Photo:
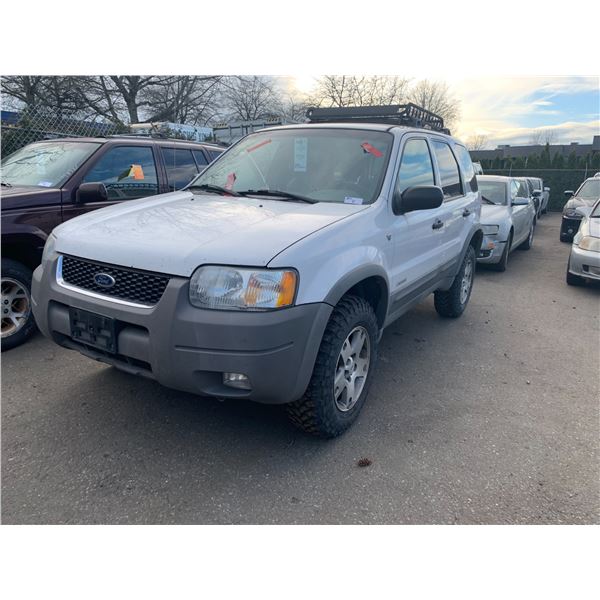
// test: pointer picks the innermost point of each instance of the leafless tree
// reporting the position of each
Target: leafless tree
(436, 97)
(477, 142)
(249, 98)
(352, 90)
(539, 137)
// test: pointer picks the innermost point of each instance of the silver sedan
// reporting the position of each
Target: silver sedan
(508, 218)
(584, 260)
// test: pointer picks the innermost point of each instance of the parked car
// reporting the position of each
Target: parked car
(49, 182)
(544, 195)
(534, 194)
(586, 195)
(272, 276)
(584, 260)
(508, 218)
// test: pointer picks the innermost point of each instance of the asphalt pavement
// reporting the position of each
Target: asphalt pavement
(491, 418)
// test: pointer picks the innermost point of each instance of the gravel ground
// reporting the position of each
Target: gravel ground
(492, 418)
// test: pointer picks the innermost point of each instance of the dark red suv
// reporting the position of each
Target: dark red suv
(48, 182)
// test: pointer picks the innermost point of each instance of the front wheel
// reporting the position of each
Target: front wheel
(18, 323)
(573, 279)
(343, 371)
(526, 245)
(452, 303)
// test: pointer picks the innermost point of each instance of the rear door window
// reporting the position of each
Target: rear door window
(449, 176)
(181, 167)
(127, 172)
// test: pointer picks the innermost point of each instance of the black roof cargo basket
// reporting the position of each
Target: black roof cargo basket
(409, 115)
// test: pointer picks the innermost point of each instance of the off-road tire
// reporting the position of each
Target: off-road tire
(15, 270)
(448, 303)
(316, 412)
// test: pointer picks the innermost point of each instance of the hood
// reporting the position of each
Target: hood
(493, 215)
(575, 201)
(591, 227)
(25, 196)
(175, 233)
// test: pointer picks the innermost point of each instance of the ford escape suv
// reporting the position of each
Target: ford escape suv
(273, 274)
(49, 182)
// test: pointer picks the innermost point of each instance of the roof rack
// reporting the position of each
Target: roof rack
(409, 115)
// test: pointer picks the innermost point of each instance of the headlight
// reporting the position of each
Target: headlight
(590, 243)
(490, 229)
(49, 247)
(230, 288)
(572, 212)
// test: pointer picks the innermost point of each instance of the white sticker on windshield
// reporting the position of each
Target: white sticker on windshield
(300, 154)
(45, 183)
(353, 200)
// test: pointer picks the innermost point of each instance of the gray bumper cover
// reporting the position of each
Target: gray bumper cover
(188, 348)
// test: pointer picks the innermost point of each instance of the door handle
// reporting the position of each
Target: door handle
(437, 224)
(466, 212)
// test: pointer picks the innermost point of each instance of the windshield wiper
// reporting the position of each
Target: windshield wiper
(216, 189)
(486, 200)
(6, 184)
(280, 194)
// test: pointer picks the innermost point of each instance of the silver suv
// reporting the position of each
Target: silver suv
(272, 276)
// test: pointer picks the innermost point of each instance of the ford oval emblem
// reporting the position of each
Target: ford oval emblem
(104, 280)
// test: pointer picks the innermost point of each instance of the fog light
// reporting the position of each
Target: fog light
(237, 380)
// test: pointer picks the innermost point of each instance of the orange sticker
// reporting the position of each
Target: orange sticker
(136, 172)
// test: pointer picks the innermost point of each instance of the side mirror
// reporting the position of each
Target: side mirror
(420, 197)
(520, 201)
(568, 193)
(91, 192)
(537, 193)
(546, 189)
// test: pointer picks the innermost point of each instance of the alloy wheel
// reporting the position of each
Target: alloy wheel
(352, 368)
(16, 306)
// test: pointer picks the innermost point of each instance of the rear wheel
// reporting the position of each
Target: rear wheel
(452, 303)
(18, 323)
(343, 371)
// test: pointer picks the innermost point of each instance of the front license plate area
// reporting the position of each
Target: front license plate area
(93, 329)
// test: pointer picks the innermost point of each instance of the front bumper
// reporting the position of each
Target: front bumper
(189, 349)
(584, 263)
(491, 250)
(569, 227)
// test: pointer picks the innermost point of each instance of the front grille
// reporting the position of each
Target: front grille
(140, 287)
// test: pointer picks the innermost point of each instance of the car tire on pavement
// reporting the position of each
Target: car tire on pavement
(342, 373)
(573, 279)
(501, 266)
(18, 323)
(452, 303)
(526, 245)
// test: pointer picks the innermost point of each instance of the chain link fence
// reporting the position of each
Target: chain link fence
(20, 129)
(558, 180)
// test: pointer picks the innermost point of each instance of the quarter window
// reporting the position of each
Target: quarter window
(200, 158)
(127, 172)
(180, 165)
(464, 159)
(450, 179)
(416, 167)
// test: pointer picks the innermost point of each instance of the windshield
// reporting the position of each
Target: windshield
(590, 190)
(45, 164)
(494, 191)
(322, 164)
(596, 211)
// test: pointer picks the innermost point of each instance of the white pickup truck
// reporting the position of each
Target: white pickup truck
(272, 276)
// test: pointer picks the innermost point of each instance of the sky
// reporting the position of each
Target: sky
(507, 109)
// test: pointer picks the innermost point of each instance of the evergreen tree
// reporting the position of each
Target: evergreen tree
(572, 160)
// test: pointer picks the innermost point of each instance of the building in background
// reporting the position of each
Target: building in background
(507, 151)
(229, 133)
